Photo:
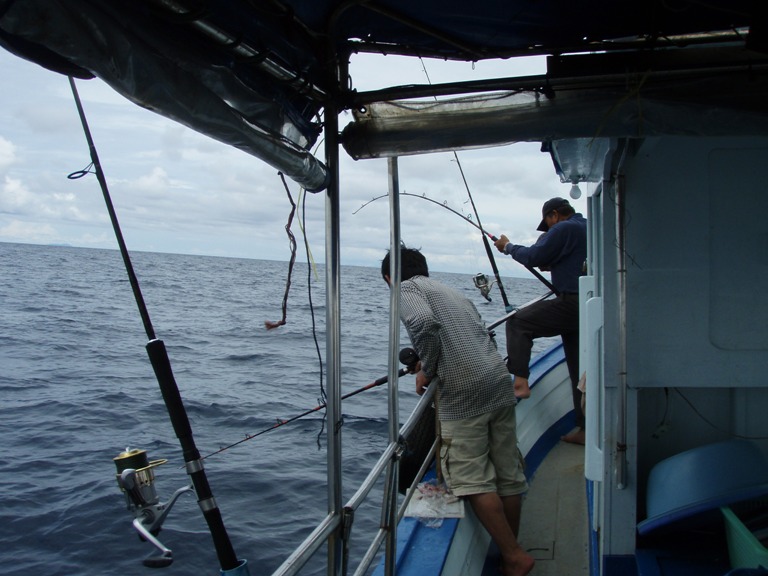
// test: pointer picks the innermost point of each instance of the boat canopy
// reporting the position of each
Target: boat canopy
(260, 75)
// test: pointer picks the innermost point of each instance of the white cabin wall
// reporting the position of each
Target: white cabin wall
(697, 279)
(697, 344)
(697, 245)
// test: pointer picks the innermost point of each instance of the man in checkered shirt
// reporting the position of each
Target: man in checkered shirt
(475, 402)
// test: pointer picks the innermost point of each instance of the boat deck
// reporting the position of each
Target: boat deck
(554, 525)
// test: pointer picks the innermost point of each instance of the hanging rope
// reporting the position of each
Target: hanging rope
(269, 325)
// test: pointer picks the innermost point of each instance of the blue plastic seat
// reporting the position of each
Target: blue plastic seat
(703, 479)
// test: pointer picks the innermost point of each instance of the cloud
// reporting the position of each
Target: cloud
(7, 154)
(27, 232)
(17, 200)
(14, 197)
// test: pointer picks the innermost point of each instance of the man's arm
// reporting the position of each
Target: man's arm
(422, 327)
(546, 249)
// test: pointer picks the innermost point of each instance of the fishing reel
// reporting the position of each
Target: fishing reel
(409, 357)
(481, 283)
(136, 479)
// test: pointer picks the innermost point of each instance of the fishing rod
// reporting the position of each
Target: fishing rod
(503, 319)
(481, 283)
(407, 356)
(533, 271)
(487, 244)
(145, 509)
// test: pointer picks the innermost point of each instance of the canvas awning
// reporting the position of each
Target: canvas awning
(260, 75)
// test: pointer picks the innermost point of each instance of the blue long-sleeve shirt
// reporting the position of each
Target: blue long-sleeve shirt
(562, 249)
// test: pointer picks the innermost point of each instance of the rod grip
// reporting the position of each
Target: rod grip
(158, 356)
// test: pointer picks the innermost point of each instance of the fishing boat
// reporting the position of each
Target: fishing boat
(656, 108)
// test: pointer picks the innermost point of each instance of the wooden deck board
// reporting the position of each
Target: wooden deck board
(554, 526)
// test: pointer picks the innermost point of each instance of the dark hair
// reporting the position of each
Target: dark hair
(412, 263)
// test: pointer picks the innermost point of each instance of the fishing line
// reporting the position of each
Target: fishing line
(279, 423)
(424, 197)
(310, 257)
(323, 396)
(544, 281)
(302, 220)
(485, 240)
(311, 267)
(271, 325)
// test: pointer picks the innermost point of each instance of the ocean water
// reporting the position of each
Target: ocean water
(77, 389)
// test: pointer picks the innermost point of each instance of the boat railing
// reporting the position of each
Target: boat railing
(330, 523)
(394, 449)
(509, 315)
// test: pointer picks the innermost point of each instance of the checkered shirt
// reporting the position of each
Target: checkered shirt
(453, 345)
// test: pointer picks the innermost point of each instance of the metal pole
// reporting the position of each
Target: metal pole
(621, 408)
(389, 513)
(333, 338)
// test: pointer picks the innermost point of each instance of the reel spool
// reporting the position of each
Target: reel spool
(136, 477)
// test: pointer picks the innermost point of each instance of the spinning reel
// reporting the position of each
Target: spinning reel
(481, 283)
(136, 478)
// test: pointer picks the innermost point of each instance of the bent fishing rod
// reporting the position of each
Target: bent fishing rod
(530, 269)
(407, 356)
(484, 234)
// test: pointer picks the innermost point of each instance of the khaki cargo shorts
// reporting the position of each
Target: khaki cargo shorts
(480, 454)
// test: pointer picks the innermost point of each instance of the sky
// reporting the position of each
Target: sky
(177, 191)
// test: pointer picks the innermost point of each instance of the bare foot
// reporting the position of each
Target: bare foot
(575, 437)
(522, 565)
(522, 390)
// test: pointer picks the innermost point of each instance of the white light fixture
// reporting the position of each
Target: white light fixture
(575, 191)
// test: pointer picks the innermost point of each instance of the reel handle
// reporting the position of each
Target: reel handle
(166, 556)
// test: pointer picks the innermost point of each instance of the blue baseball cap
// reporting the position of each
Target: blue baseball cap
(549, 206)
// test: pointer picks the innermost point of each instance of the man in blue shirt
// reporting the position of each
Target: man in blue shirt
(562, 250)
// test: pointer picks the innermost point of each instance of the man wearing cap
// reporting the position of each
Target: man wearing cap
(562, 250)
